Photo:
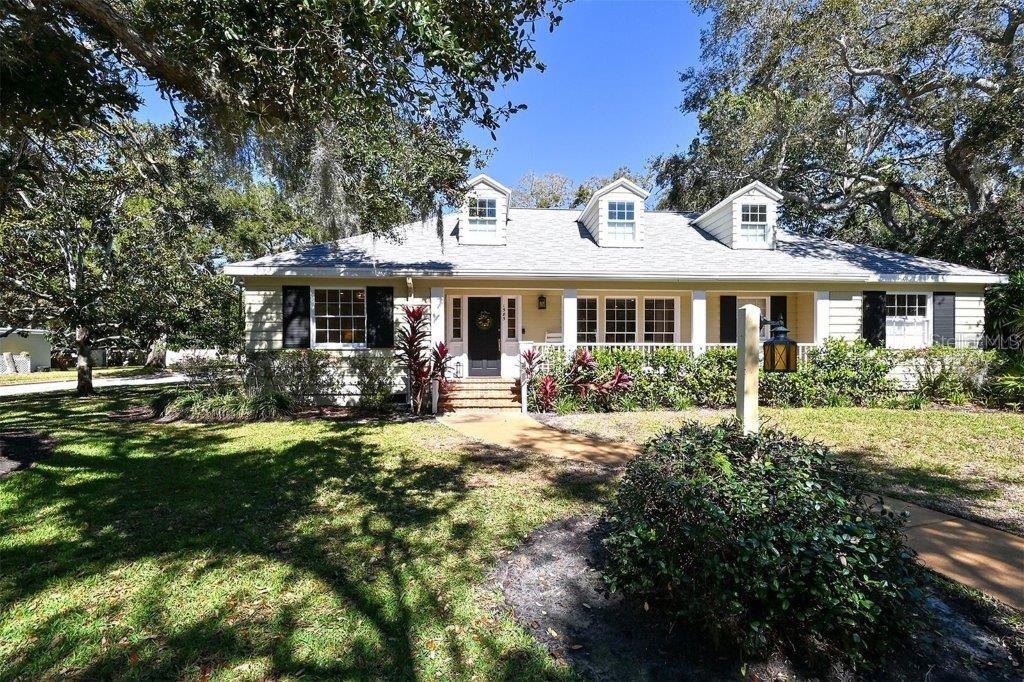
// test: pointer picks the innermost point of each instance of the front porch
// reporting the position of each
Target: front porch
(486, 329)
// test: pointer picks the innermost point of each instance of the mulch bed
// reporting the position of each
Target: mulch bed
(553, 587)
(20, 449)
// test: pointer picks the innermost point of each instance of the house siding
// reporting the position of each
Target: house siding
(263, 301)
(970, 318)
(845, 315)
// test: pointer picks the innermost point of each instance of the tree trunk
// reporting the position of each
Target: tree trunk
(83, 341)
(157, 355)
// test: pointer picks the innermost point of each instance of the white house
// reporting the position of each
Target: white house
(24, 350)
(613, 274)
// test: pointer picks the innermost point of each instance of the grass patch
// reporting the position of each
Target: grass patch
(272, 550)
(961, 462)
(72, 375)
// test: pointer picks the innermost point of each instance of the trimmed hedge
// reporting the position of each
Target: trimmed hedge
(763, 540)
(838, 373)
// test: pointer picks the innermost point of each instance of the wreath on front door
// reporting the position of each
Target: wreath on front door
(484, 321)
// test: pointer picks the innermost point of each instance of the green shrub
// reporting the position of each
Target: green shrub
(305, 376)
(1005, 384)
(838, 373)
(764, 540)
(950, 375)
(236, 405)
(375, 376)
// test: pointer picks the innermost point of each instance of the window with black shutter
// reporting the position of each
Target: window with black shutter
(295, 317)
(380, 317)
(727, 323)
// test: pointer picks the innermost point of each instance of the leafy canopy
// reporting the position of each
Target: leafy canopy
(897, 122)
(357, 105)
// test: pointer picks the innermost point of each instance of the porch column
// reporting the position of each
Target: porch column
(821, 316)
(569, 320)
(436, 315)
(699, 322)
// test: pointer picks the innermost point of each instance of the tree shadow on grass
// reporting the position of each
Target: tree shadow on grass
(385, 530)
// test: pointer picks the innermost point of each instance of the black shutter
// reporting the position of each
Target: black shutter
(779, 308)
(874, 317)
(944, 319)
(295, 314)
(380, 317)
(727, 325)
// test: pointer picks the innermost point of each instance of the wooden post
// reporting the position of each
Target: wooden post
(748, 340)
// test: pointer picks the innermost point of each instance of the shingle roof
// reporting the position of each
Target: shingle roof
(550, 243)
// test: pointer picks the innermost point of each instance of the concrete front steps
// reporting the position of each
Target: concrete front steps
(481, 393)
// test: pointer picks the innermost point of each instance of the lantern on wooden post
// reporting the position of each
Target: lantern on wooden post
(780, 353)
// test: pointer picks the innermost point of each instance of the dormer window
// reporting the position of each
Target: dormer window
(754, 223)
(483, 215)
(621, 221)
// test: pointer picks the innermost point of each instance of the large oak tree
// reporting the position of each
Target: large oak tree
(893, 122)
(358, 104)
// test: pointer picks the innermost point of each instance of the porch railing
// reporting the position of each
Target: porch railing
(544, 347)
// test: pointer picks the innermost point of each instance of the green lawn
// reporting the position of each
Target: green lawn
(72, 375)
(966, 463)
(312, 549)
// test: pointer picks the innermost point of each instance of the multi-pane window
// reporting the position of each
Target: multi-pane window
(512, 320)
(483, 214)
(339, 316)
(586, 320)
(906, 305)
(906, 321)
(620, 320)
(621, 220)
(456, 319)
(659, 320)
(754, 223)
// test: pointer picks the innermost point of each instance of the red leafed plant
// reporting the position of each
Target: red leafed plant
(582, 371)
(604, 391)
(411, 351)
(547, 393)
(440, 358)
(529, 366)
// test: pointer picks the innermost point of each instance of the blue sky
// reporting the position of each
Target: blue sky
(608, 98)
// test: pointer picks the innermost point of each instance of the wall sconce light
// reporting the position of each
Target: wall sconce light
(542, 302)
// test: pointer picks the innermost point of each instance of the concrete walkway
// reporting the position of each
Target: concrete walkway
(986, 559)
(58, 386)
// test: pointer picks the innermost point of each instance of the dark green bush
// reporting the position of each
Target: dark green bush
(763, 540)
(305, 376)
(375, 376)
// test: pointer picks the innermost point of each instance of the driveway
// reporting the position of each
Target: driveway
(58, 386)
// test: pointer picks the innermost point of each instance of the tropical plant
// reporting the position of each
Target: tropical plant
(547, 393)
(411, 352)
(581, 372)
